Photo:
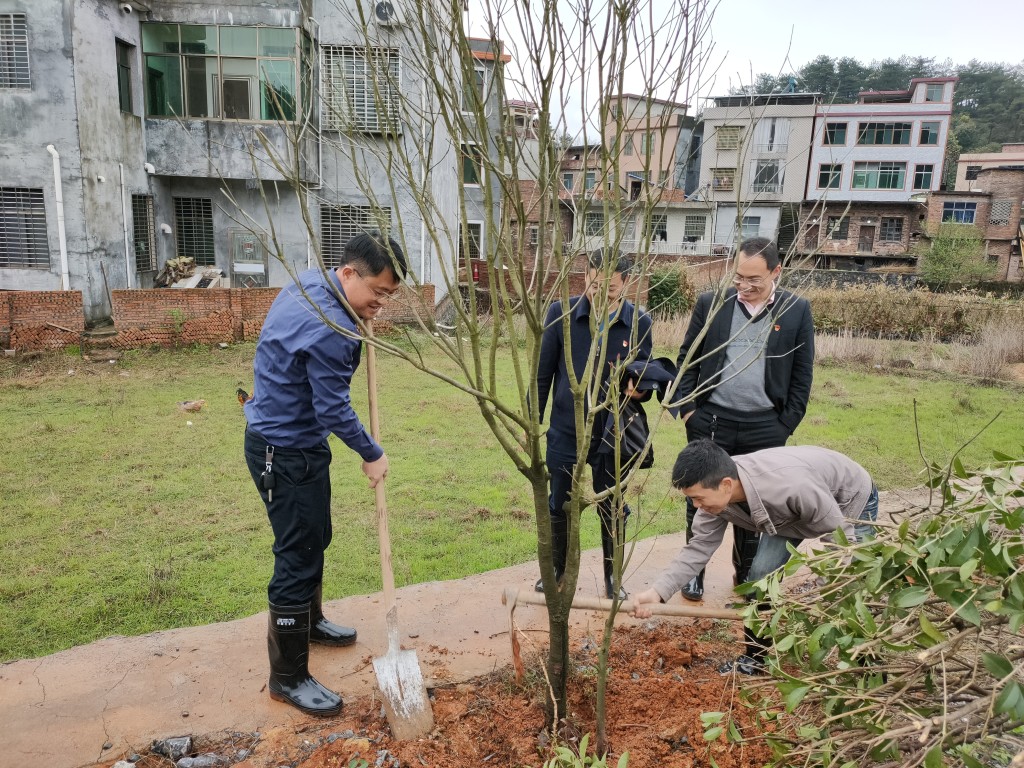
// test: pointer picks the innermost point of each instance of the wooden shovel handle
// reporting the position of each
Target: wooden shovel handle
(383, 533)
(518, 596)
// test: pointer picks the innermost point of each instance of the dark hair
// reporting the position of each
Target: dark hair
(601, 258)
(704, 463)
(763, 247)
(374, 253)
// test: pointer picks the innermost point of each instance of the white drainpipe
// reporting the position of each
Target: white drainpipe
(65, 277)
(124, 221)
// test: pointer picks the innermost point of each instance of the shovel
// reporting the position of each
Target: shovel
(398, 672)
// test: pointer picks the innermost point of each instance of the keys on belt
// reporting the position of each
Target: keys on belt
(267, 479)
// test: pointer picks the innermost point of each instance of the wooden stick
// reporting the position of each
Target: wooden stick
(516, 597)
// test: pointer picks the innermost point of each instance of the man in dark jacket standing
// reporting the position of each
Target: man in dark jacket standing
(308, 351)
(749, 359)
(628, 338)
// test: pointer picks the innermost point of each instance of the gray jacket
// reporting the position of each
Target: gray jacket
(800, 492)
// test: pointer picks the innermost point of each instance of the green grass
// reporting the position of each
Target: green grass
(120, 518)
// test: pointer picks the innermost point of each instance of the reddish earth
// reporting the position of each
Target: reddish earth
(663, 676)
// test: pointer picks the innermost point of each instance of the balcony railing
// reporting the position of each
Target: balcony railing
(766, 189)
(771, 149)
(665, 248)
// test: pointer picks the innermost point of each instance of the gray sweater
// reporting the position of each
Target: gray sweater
(800, 492)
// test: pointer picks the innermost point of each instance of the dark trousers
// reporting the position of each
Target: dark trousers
(602, 468)
(299, 510)
(737, 434)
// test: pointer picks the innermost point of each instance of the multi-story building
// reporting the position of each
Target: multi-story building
(872, 163)
(753, 160)
(970, 164)
(646, 135)
(249, 138)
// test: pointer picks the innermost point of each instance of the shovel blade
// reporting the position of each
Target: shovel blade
(405, 695)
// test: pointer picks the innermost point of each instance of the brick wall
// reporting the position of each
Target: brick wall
(33, 320)
(864, 220)
(166, 317)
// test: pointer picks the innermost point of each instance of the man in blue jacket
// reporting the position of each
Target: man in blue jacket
(307, 353)
(628, 338)
(749, 359)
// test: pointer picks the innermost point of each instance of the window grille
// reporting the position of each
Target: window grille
(728, 137)
(14, 70)
(892, 230)
(144, 232)
(972, 172)
(193, 220)
(340, 223)
(360, 89)
(472, 236)
(593, 224)
(838, 227)
(722, 179)
(657, 227)
(1000, 214)
(694, 227)
(23, 229)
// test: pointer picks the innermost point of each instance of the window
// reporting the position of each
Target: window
(646, 144)
(533, 232)
(221, 73)
(750, 227)
(722, 179)
(628, 146)
(929, 134)
(14, 71)
(474, 93)
(960, 212)
(143, 233)
(838, 227)
(1000, 214)
(567, 181)
(340, 223)
(193, 224)
(694, 227)
(767, 176)
(593, 224)
(892, 229)
(835, 134)
(728, 137)
(657, 227)
(23, 229)
(935, 92)
(360, 89)
(972, 172)
(771, 134)
(125, 54)
(885, 175)
(589, 180)
(470, 238)
(923, 176)
(472, 165)
(829, 176)
(884, 133)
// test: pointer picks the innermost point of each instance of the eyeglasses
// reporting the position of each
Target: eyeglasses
(380, 293)
(753, 282)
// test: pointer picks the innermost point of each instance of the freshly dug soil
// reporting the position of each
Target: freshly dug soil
(664, 675)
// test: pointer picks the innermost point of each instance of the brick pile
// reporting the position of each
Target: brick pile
(35, 320)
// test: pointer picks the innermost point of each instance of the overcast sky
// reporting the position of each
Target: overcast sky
(758, 35)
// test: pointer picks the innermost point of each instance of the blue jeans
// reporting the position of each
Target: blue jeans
(772, 553)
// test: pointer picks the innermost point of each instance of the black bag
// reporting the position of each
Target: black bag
(634, 432)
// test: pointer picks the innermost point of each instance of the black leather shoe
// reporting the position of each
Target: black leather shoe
(327, 632)
(694, 590)
(743, 665)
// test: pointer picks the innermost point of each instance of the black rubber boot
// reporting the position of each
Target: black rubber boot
(608, 551)
(744, 548)
(559, 547)
(323, 631)
(290, 681)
